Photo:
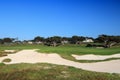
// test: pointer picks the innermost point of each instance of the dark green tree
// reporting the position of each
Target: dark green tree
(108, 40)
(53, 41)
(38, 38)
(77, 39)
(1, 41)
(8, 40)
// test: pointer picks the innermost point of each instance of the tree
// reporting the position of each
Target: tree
(38, 38)
(1, 41)
(53, 41)
(108, 40)
(102, 38)
(77, 39)
(8, 40)
(65, 40)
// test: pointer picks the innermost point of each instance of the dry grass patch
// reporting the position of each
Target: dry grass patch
(7, 60)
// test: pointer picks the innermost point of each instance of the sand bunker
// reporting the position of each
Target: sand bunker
(95, 57)
(31, 56)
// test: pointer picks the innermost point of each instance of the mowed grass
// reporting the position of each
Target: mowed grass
(50, 72)
(67, 50)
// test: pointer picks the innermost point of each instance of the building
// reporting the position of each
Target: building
(88, 40)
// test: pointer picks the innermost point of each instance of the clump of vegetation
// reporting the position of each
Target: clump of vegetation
(7, 60)
(108, 40)
(1, 64)
(3, 54)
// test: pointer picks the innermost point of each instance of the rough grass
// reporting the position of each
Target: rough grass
(1, 64)
(3, 54)
(50, 72)
(7, 60)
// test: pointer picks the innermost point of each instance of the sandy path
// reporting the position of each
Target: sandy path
(31, 56)
(95, 57)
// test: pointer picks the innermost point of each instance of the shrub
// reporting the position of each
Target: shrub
(89, 45)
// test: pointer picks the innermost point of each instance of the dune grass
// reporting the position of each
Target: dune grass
(50, 72)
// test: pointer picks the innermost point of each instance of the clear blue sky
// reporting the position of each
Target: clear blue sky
(26, 19)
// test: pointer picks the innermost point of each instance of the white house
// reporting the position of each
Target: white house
(64, 42)
(30, 42)
(88, 40)
(38, 42)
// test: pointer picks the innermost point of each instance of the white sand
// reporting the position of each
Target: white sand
(95, 57)
(30, 56)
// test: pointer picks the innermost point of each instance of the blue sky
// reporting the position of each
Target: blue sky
(26, 19)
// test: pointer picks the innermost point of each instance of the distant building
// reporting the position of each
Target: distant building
(27, 42)
(30, 42)
(88, 40)
(64, 42)
(38, 42)
(18, 42)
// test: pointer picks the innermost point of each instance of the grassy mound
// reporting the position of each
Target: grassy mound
(7, 60)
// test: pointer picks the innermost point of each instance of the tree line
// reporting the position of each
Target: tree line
(107, 40)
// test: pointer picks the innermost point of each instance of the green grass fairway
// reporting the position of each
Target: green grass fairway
(66, 49)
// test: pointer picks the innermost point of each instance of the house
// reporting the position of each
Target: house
(30, 42)
(88, 40)
(38, 42)
(27, 42)
(64, 42)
